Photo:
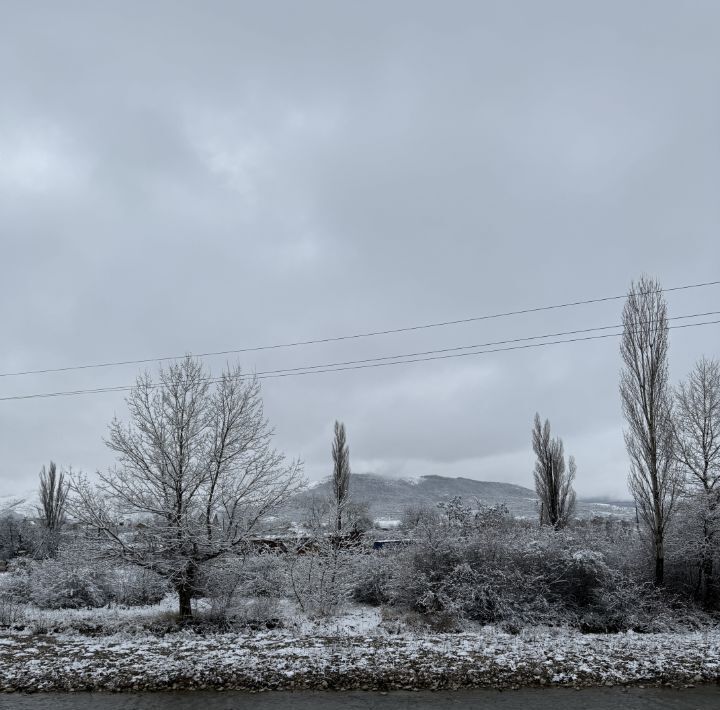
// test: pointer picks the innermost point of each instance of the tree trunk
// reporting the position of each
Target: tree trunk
(184, 597)
(707, 581)
(706, 568)
(185, 587)
(659, 567)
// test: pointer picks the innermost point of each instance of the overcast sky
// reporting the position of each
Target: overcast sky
(197, 176)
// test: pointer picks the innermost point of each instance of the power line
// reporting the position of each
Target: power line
(373, 363)
(471, 347)
(465, 354)
(338, 338)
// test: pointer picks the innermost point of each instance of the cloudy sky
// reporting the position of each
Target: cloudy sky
(189, 177)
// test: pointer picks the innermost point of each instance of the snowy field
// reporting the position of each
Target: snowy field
(353, 652)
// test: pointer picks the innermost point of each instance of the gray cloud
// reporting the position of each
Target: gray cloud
(190, 177)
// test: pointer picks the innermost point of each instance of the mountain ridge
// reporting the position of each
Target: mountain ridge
(388, 496)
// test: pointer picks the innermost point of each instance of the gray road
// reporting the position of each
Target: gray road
(551, 699)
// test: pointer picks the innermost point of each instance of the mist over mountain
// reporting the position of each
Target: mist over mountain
(387, 497)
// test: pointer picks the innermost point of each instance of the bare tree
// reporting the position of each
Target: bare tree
(341, 473)
(697, 428)
(647, 406)
(53, 493)
(196, 473)
(553, 481)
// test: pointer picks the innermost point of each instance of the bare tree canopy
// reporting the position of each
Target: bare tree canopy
(341, 472)
(647, 406)
(553, 481)
(697, 422)
(697, 429)
(196, 473)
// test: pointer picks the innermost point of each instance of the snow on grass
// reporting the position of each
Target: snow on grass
(111, 618)
(354, 621)
(113, 649)
(346, 658)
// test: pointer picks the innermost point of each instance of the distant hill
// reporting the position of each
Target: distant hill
(388, 497)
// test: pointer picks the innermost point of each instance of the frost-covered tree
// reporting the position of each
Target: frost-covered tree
(53, 493)
(341, 473)
(553, 481)
(418, 514)
(457, 513)
(697, 428)
(647, 406)
(16, 534)
(195, 474)
(697, 421)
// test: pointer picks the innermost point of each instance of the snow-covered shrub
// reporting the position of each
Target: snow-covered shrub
(134, 586)
(219, 580)
(16, 580)
(692, 550)
(245, 590)
(516, 574)
(321, 577)
(62, 584)
(264, 576)
(585, 578)
(11, 609)
(457, 514)
(17, 537)
(72, 582)
(372, 577)
(433, 577)
(256, 613)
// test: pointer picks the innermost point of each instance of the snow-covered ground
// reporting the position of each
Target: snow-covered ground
(113, 649)
(356, 653)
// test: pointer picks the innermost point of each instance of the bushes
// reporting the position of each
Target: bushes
(373, 575)
(244, 591)
(466, 565)
(321, 581)
(55, 584)
(17, 537)
(134, 586)
(11, 609)
(514, 574)
(64, 583)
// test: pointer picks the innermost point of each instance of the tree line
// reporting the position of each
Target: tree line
(196, 473)
(672, 438)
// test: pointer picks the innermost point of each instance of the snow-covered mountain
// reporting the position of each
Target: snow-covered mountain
(388, 497)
